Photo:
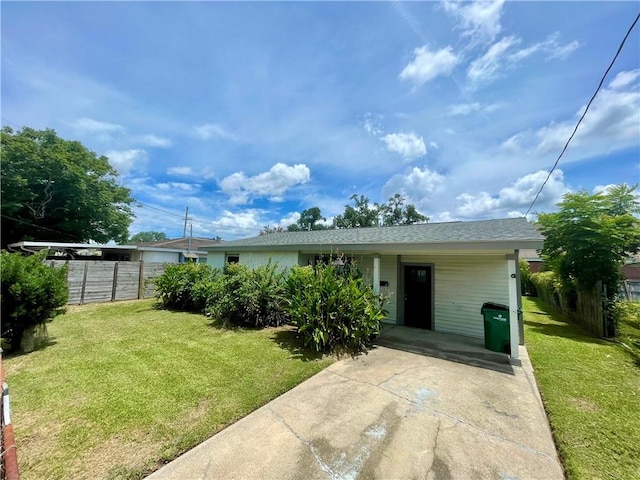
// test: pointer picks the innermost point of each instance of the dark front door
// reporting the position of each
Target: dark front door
(418, 300)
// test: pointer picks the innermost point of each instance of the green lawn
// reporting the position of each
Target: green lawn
(123, 387)
(591, 391)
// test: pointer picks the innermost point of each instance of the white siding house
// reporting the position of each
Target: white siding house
(437, 276)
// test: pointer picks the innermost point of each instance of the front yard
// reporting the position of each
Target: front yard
(124, 387)
(591, 391)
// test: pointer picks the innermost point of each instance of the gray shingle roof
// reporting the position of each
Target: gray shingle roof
(508, 229)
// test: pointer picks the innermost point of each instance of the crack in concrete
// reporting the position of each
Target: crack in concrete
(495, 435)
(323, 466)
(399, 373)
(493, 408)
(452, 417)
(207, 468)
(433, 450)
(412, 402)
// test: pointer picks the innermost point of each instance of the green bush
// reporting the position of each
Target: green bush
(246, 297)
(32, 294)
(185, 286)
(526, 285)
(333, 309)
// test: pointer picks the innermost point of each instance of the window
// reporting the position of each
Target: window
(233, 258)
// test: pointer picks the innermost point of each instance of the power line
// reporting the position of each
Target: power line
(34, 225)
(584, 113)
(181, 217)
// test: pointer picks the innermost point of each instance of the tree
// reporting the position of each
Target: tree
(588, 239)
(57, 189)
(394, 214)
(359, 215)
(142, 237)
(268, 229)
(364, 214)
(309, 220)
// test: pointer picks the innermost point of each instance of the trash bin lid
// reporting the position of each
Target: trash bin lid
(495, 306)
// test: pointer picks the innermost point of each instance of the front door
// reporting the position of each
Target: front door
(418, 300)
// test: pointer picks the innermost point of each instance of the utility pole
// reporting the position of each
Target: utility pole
(186, 216)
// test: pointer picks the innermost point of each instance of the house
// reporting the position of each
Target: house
(171, 253)
(533, 259)
(437, 275)
(189, 246)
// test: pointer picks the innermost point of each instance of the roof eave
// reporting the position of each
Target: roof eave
(516, 244)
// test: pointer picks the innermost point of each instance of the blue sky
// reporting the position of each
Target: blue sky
(248, 113)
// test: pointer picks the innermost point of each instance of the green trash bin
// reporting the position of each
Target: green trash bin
(496, 327)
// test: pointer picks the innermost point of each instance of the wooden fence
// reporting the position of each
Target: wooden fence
(94, 281)
(588, 311)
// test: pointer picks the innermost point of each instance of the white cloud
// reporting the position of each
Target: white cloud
(212, 130)
(293, 217)
(428, 64)
(409, 145)
(561, 52)
(462, 109)
(271, 184)
(500, 56)
(518, 195)
(151, 140)
(94, 126)
(126, 160)
(434, 145)
(184, 187)
(486, 67)
(611, 124)
(480, 21)
(242, 223)
(417, 185)
(372, 124)
(442, 217)
(622, 79)
(180, 171)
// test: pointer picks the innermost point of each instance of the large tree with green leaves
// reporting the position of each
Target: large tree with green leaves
(142, 237)
(309, 220)
(361, 214)
(365, 214)
(56, 189)
(394, 212)
(590, 236)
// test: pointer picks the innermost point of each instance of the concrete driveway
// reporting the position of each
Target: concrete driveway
(388, 414)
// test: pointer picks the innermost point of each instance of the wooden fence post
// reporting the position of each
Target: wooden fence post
(114, 285)
(84, 282)
(141, 281)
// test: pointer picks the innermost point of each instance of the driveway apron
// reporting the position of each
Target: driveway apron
(388, 414)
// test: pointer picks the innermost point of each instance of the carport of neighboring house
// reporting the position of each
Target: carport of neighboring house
(437, 276)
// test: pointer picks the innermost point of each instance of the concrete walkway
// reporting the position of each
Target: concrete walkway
(389, 414)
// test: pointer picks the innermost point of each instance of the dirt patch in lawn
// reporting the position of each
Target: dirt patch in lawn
(585, 405)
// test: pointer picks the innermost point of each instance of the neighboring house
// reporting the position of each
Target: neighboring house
(533, 259)
(188, 245)
(438, 275)
(125, 253)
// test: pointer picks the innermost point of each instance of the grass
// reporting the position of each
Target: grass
(629, 326)
(591, 391)
(123, 387)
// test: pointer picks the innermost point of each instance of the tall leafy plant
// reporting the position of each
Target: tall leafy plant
(333, 309)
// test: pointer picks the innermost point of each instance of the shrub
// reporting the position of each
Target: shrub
(32, 294)
(332, 309)
(526, 285)
(185, 286)
(253, 298)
